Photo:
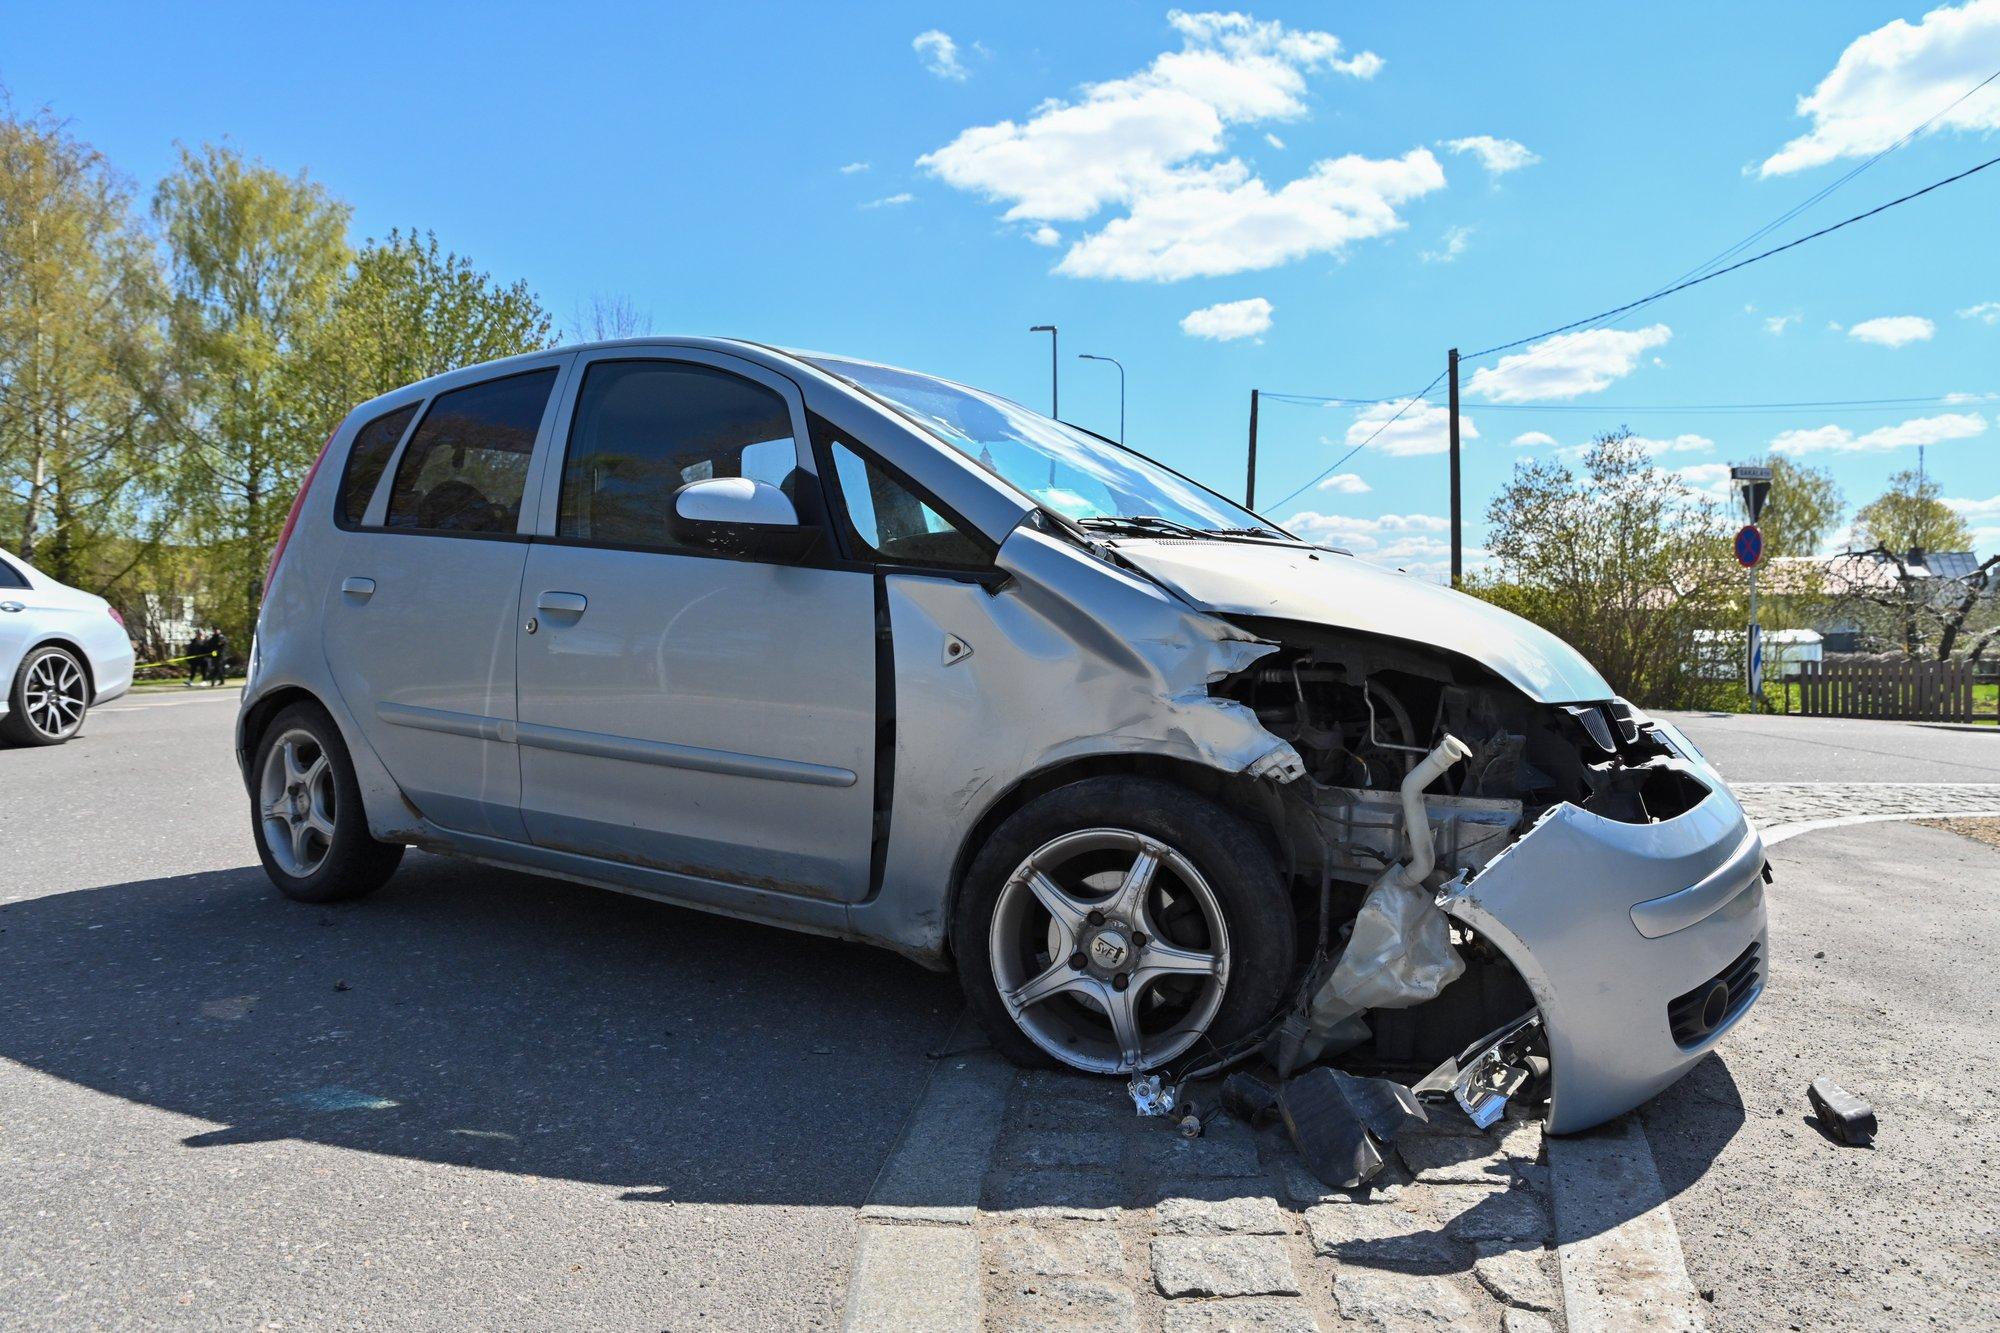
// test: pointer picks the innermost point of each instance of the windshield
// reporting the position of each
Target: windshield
(1064, 469)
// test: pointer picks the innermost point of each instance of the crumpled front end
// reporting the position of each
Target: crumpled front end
(1642, 944)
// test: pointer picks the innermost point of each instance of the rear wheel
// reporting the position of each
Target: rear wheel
(50, 695)
(1117, 923)
(312, 833)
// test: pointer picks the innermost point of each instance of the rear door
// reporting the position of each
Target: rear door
(702, 714)
(419, 614)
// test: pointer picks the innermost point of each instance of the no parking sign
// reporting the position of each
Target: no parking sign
(1749, 545)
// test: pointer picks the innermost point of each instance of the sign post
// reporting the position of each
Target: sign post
(1753, 484)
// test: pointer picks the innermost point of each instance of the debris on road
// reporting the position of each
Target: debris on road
(1341, 1124)
(1842, 1116)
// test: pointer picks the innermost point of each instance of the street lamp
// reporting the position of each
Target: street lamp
(1091, 356)
(1055, 401)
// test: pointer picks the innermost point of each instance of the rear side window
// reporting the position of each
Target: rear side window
(373, 444)
(467, 464)
(644, 429)
(11, 577)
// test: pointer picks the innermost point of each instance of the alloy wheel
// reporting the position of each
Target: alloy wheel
(53, 695)
(296, 801)
(1109, 950)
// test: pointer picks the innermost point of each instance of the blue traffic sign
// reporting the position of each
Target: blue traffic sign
(1749, 545)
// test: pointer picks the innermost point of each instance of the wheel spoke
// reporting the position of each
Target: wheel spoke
(300, 861)
(1059, 978)
(1129, 900)
(1122, 1009)
(1068, 912)
(294, 770)
(1159, 959)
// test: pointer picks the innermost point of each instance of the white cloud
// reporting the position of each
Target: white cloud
(1986, 312)
(1454, 246)
(1960, 399)
(1709, 479)
(1345, 483)
(1976, 510)
(1229, 320)
(1153, 144)
(1498, 156)
(1677, 444)
(1777, 324)
(1567, 365)
(1893, 330)
(1045, 235)
(890, 201)
(1424, 429)
(853, 168)
(1417, 543)
(1889, 79)
(940, 55)
(1274, 141)
(1917, 430)
(1534, 439)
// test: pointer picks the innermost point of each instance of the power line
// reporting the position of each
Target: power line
(1408, 403)
(1849, 404)
(1741, 263)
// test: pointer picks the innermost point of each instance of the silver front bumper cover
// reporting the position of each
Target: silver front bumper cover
(1607, 922)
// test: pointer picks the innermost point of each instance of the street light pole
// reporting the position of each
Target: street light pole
(1089, 356)
(1055, 399)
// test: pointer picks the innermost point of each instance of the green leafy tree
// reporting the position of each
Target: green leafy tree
(256, 258)
(409, 310)
(1911, 514)
(79, 304)
(1624, 562)
(1804, 508)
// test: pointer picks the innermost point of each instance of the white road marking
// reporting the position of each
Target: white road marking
(1778, 833)
(141, 703)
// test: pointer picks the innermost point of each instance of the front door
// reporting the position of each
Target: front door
(695, 713)
(418, 621)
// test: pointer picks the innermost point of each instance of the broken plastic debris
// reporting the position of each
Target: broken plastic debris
(1340, 1124)
(1843, 1116)
(1249, 1099)
(1150, 1096)
(1492, 1071)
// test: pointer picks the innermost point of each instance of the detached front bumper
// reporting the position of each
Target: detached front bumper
(1642, 943)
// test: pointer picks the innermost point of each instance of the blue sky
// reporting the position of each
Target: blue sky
(1347, 190)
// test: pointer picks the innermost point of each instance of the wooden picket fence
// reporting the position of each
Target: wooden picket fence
(1902, 688)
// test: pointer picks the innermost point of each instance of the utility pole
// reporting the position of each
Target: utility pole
(1457, 532)
(1091, 356)
(1250, 482)
(1055, 399)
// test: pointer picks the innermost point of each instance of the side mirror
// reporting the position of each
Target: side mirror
(739, 516)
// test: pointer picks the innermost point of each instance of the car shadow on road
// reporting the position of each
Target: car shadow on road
(482, 1018)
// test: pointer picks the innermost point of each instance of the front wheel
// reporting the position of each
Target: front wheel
(50, 695)
(312, 833)
(1113, 924)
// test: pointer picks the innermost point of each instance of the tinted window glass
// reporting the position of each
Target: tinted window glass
(892, 521)
(11, 577)
(373, 444)
(644, 429)
(468, 462)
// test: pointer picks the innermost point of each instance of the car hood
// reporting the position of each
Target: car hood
(1327, 588)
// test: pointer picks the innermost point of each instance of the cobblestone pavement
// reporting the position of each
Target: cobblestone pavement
(1092, 1217)
(1788, 802)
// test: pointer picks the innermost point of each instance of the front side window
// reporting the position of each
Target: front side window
(644, 429)
(467, 465)
(887, 516)
(373, 444)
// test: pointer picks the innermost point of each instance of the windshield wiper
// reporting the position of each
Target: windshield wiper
(1141, 523)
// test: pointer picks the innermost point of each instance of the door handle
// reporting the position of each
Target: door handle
(355, 586)
(12, 606)
(563, 603)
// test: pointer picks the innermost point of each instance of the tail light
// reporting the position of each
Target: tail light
(298, 502)
(114, 615)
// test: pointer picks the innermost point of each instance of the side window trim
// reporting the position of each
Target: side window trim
(377, 516)
(814, 511)
(373, 512)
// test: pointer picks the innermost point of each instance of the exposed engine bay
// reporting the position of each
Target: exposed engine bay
(1420, 770)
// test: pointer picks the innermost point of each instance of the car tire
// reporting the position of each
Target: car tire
(47, 699)
(306, 813)
(1207, 862)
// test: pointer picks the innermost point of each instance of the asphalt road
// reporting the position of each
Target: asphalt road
(481, 1098)
(1750, 747)
(477, 1098)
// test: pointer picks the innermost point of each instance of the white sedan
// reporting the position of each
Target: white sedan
(61, 651)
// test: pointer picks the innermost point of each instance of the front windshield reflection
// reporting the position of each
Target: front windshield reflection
(1063, 469)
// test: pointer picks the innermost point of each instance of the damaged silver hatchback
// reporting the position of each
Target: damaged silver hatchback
(855, 650)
